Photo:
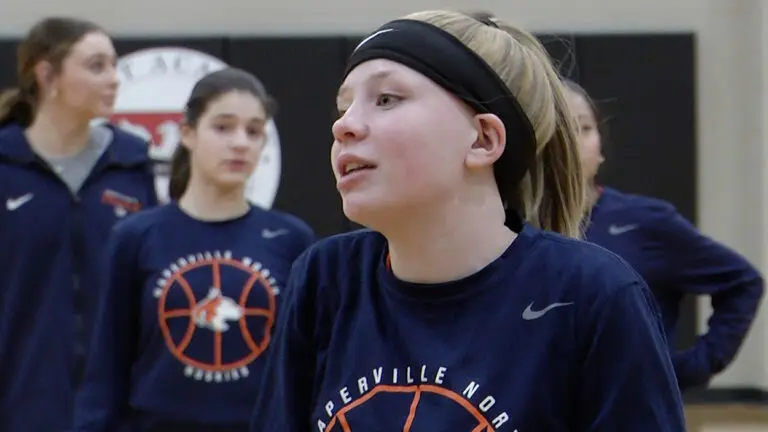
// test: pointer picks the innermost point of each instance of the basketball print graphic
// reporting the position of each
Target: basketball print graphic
(410, 399)
(155, 84)
(216, 314)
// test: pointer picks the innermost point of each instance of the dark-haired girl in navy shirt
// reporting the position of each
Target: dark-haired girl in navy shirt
(194, 286)
(451, 313)
(674, 258)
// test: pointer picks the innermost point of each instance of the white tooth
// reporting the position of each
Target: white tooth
(351, 167)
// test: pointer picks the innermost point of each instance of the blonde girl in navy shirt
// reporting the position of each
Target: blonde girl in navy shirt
(469, 304)
(674, 258)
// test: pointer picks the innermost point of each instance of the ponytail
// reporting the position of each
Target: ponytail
(15, 108)
(555, 192)
(563, 204)
(180, 171)
(553, 195)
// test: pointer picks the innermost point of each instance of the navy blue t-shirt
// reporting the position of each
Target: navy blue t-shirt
(187, 316)
(675, 260)
(554, 335)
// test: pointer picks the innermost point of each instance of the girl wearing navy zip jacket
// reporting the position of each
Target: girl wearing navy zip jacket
(674, 258)
(193, 287)
(63, 184)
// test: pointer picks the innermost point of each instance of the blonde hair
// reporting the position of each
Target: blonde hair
(553, 195)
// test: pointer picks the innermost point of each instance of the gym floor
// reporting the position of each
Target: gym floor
(727, 418)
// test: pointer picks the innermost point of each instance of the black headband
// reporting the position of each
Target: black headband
(444, 59)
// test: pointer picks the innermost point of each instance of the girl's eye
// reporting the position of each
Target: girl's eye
(387, 99)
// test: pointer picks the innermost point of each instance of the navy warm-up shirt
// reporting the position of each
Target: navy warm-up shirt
(51, 239)
(555, 335)
(675, 259)
(187, 315)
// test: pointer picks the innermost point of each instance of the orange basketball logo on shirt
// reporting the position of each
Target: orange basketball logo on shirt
(209, 328)
(410, 399)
